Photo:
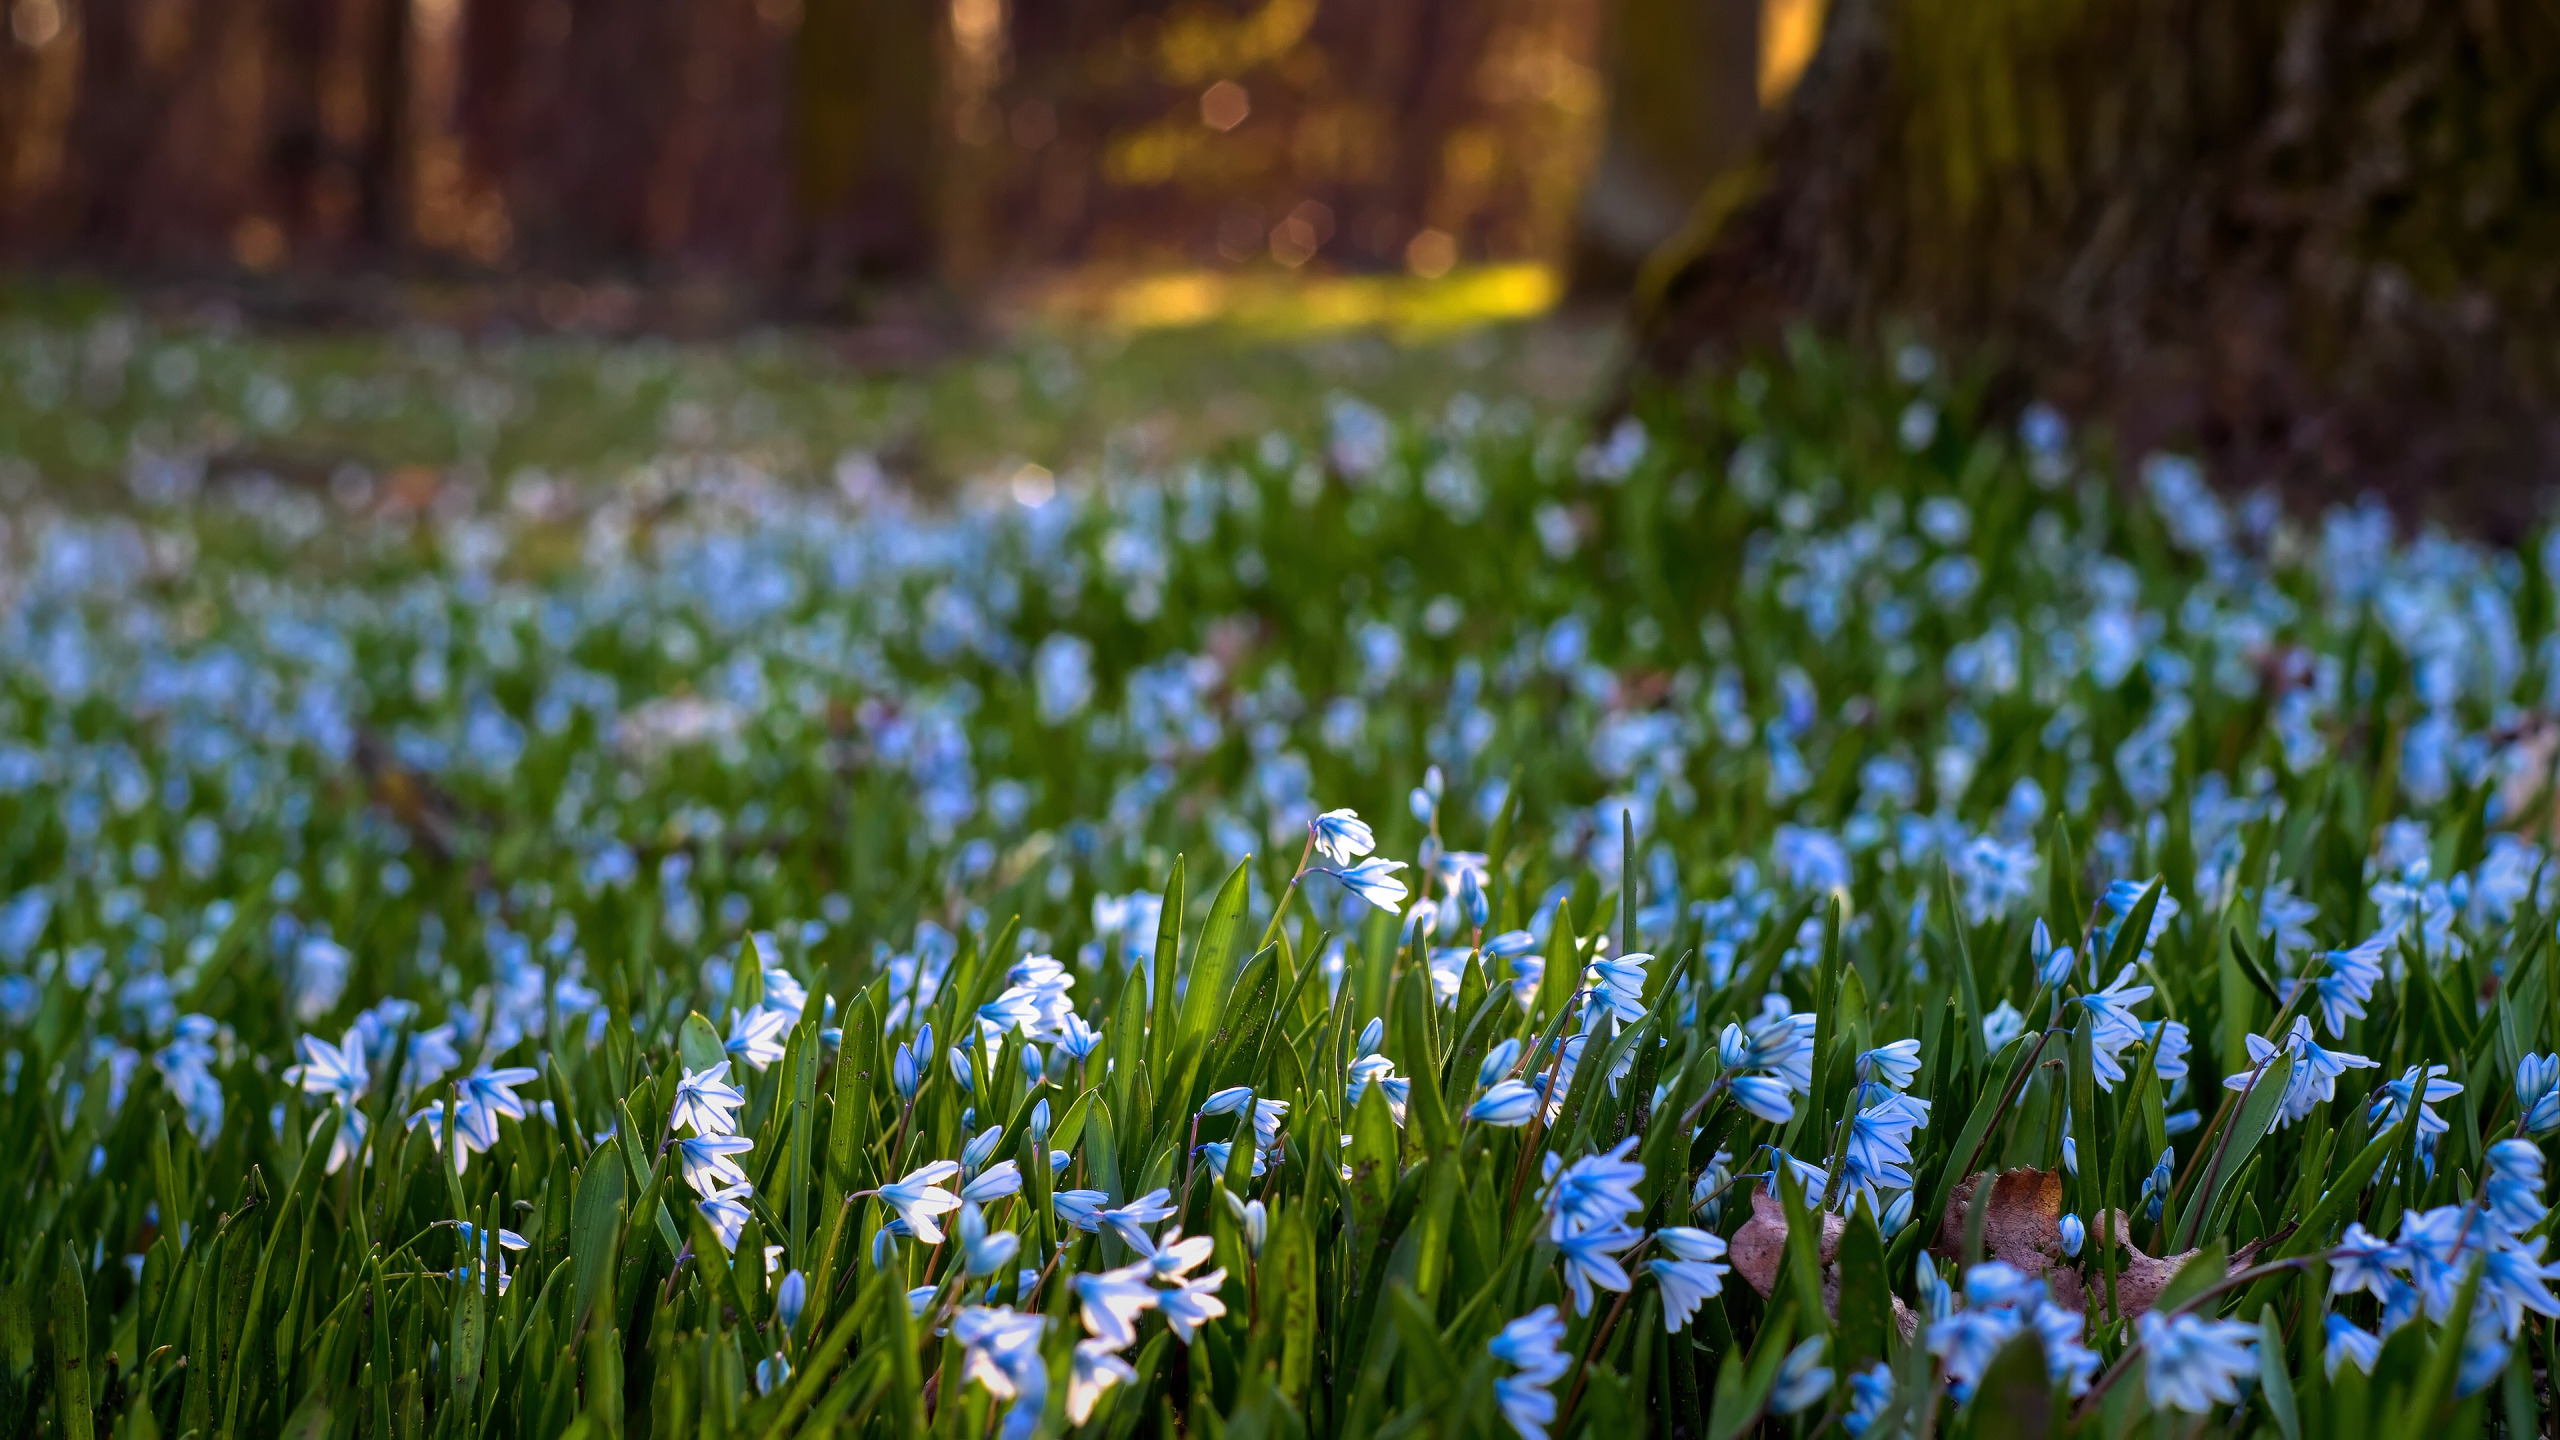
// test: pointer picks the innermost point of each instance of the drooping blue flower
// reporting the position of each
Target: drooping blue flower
(2348, 1345)
(1374, 881)
(2193, 1364)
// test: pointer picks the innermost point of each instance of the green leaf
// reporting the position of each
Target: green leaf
(699, 1043)
(1866, 1297)
(2203, 1270)
(2014, 1398)
(70, 1325)
(595, 1232)
(1742, 1392)
(1213, 959)
(856, 1091)
(2256, 1115)
(2275, 1378)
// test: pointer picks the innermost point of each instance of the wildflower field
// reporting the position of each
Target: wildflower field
(1809, 909)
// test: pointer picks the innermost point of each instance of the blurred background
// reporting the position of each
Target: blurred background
(700, 161)
(2310, 241)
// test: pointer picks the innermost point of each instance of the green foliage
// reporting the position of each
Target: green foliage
(857, 773)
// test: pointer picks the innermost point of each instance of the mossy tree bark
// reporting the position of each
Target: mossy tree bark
(1684, 104)
(2312, 240)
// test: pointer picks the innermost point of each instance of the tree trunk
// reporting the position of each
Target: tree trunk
(866, 111)
(1684, 101)
(2310, 239)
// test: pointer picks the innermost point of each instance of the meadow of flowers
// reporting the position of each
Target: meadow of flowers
(1798, 911)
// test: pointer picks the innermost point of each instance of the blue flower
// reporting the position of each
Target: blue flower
(2348, 1345)
(983, 1252)
(1617, 986)
(1374, 881)
(2538, 1093)
(1080, 1208)
(2074, 1235)
(919, 1197)
(1803, 1380)
(1870, 1391)
(2426, 1087)
(2513, 1191)
(1112, 1301)
(1594, 1192)
(756, 1036)
(1694, 1272)
(1590, 1260)
(997, 1181)
(1096, 1368)
(790, 1298)
(705, 1102)
(1192, 1303)
(1342, 837)
(1508, 1105)
(2362, 1260)
(2193, 1364)
(1126, 1220)
(2349, 981)
(1895, 1065)
(706, 1163)
(727, 1211)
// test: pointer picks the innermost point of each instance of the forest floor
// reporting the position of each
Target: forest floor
(165, 391)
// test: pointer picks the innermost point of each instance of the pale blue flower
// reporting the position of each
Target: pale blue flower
(1895, 1065)
(2347, 982)
(1803, 1380)
(1342, 837)
(2513, 1191)
(1096, 1368)
(706, 1163)
(1508, 1105)
(1870, 1391)
(1192, 1303)
(2538, 1093)
(727, 1211)
(337, 1071)
(919, 1197)
(983, 1252)
(706, 1102)
(790, 1298)
(1078, 1039)
(2001, 1026)
(1594, 1192)
(1113, 1300)
(2362, 1260)
(994, 1183)
(2053, 962)
(757, 1036)
(1374, 881)
(1001, 1351)
(2193, 1364)
(2348, 1345)
(1127, 1221)
(1694, 1273)
(1617, 986)
(1590, 1260)
(1528, 1345)
(2074, 1234)
(2427, 1088)
(1498, 1062)
(1080, 1208)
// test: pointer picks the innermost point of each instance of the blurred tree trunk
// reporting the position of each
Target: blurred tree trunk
(2313, 240)
(1684, 100)
(866, 125)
